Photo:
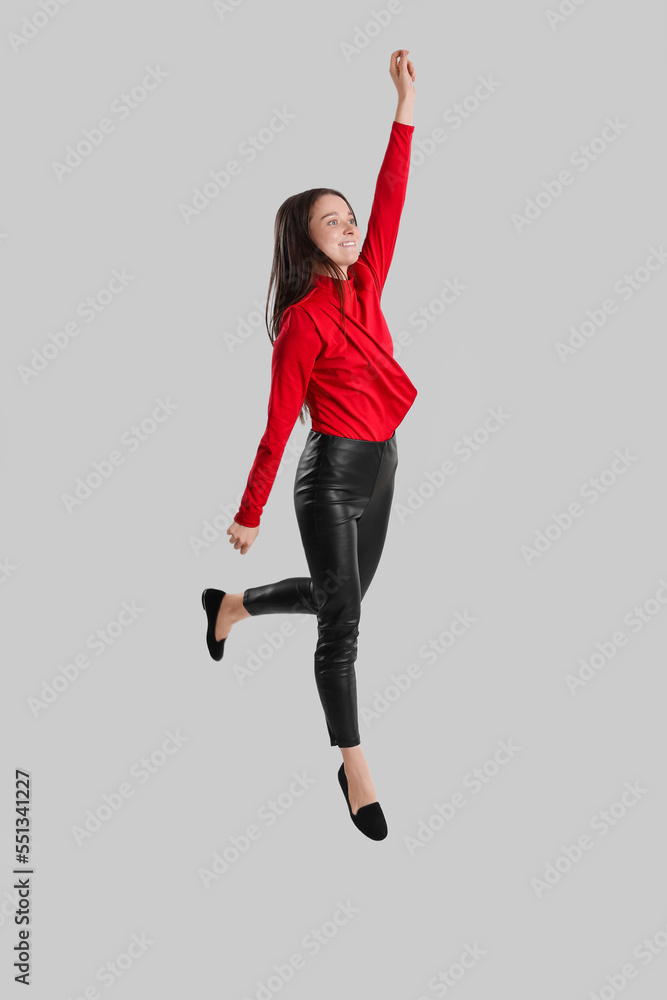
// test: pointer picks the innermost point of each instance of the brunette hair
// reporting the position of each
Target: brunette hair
(294, 253)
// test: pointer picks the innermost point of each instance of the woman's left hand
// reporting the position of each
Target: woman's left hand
(402, 73)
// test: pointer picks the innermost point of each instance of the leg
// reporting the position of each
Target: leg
(332, 486)
(372, 532)
(291, 596)
(329, 535)
(374, 521)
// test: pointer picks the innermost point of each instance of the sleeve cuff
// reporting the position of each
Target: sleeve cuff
(242, 520)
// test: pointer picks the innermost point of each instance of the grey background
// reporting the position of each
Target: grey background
(67, 574)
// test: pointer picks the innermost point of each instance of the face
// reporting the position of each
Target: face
(331, 225)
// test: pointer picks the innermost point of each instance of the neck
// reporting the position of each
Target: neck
(327, 275)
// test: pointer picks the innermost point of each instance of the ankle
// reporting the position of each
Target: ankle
(238, 607)
(356, 765)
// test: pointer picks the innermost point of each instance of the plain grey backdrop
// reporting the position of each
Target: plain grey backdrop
(519, 757)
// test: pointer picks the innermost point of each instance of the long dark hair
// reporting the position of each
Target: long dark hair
(294, 254)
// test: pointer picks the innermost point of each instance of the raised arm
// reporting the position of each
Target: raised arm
(377, 250)
(295, 350)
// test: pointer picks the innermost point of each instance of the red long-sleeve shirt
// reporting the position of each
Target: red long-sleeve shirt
(352, 384)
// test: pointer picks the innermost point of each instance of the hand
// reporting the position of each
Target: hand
(402, 73)
(242, 537)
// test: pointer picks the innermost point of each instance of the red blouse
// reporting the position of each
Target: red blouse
(352, 384)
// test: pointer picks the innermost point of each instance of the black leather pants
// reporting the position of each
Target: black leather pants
(342, 495)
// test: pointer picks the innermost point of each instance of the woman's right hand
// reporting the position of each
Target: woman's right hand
(403, 74)
(242, 537)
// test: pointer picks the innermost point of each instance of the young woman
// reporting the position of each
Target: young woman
(333, 352)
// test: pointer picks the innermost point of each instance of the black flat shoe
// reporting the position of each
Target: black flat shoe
(211, 600)
(370, 818)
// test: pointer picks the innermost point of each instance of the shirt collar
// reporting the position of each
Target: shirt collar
(326, 279)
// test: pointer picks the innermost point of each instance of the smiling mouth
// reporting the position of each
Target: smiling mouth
(349, 245)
